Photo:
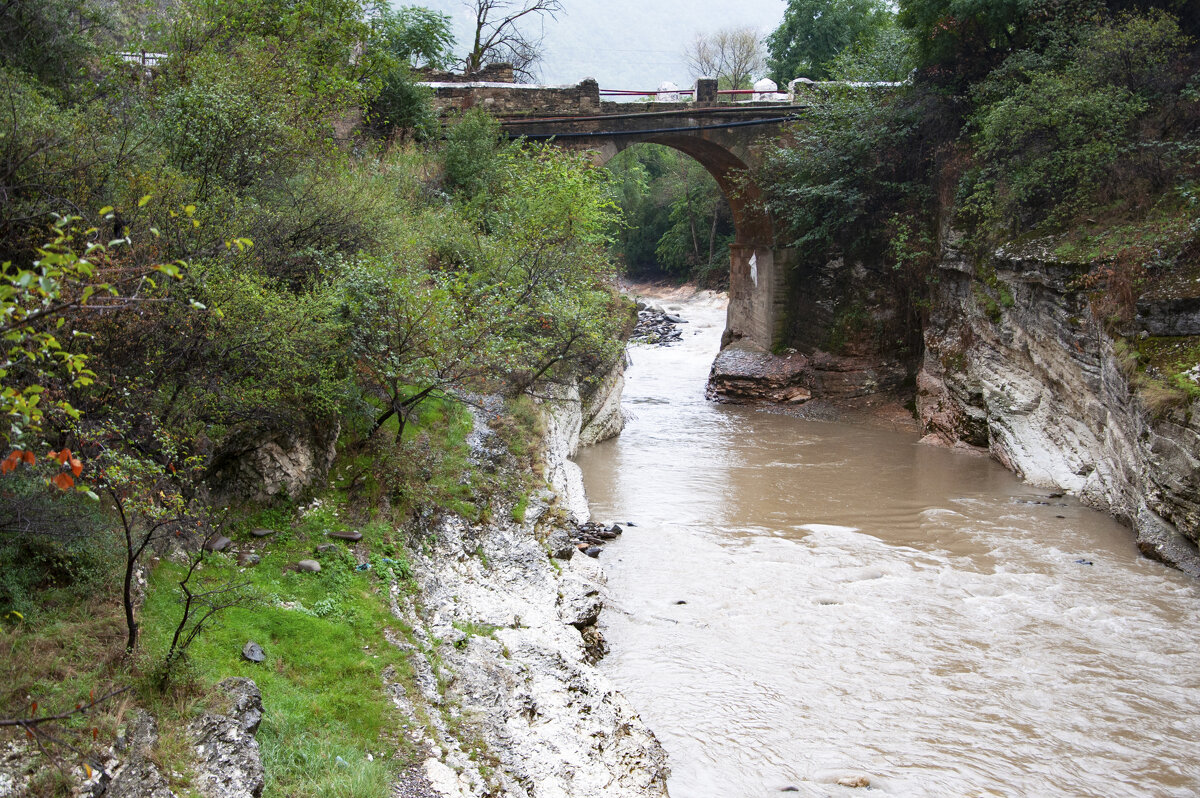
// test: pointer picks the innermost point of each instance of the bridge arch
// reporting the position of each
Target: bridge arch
(757, 266)
(750, 220)
(723, 137)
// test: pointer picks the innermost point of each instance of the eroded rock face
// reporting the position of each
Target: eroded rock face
(574, 420)
(227, 761)
(515, 633)
(138, 776)
(1016, 364)
(259, 467)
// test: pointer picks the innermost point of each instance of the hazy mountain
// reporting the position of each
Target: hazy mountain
(626, 44)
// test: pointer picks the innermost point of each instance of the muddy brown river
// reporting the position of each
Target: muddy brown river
(861, 606)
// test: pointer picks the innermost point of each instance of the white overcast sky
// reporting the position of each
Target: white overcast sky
(625, 44)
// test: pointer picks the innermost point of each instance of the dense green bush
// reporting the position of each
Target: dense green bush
(469, 154)
(1097, 117)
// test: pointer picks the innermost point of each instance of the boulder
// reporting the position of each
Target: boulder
(253, 652)
(259, 465)
(312, 566)
(353, 536)
(217, 543)
(560, 544)
(138, 776)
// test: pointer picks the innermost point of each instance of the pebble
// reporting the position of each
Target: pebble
(248, 558)
(312, 566)
(854, 781)
(593, 551)
(324, 547)
(253, 652)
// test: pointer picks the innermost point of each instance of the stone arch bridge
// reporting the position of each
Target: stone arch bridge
(725, 137)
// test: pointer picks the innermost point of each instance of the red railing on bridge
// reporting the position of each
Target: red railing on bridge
(655, 92)
(633, 93)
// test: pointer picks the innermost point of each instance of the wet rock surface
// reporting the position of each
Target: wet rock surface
(656, 326)
(590, 537)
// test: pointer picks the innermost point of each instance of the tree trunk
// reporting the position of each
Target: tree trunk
(127, 596)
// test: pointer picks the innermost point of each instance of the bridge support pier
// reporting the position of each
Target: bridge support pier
(757, 294)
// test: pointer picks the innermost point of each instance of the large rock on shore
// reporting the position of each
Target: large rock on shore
(744, 372)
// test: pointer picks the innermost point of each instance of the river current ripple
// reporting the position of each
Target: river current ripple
(805, 602)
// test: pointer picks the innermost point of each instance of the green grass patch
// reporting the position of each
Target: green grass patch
(322, 682)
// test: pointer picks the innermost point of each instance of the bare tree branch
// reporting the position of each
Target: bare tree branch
(499, 39)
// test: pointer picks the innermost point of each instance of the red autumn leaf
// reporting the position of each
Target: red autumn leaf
(63, 481)
(10, 462)
(34, 712)
(62, 457)
(95, 733)
(76, 466)
(29, 457)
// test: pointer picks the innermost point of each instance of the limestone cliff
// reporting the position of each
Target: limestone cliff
(505, 633)
(1016, 363)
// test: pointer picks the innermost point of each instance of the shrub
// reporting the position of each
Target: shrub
(48, 542)
(469, 155)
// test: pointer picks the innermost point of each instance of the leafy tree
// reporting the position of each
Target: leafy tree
(469, 155)
(814, 32)
(51, 40)
(415, 36)
(408, 37)
(1058, 130)
(697, 241)
(676, 220)
(416, 335)
(36, 302)
(887, 56)
(734, 56)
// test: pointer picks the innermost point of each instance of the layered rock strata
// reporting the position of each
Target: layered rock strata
(1016, 364)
